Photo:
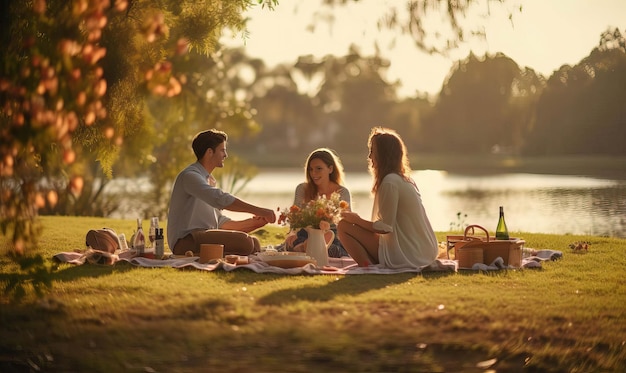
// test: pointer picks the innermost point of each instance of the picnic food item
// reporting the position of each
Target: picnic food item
(286, 259)
(232, 259)
(502, 233)
(210, 252)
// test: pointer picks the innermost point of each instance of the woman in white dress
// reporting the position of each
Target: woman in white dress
(399, 234)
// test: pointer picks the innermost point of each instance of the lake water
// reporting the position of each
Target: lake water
(532, 203)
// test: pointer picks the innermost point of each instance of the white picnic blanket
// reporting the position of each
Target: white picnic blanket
(344, 266)
(533, 261)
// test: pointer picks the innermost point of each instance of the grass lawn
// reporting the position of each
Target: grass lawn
(566, 317)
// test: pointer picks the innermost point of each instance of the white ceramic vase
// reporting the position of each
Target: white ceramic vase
(316, 246)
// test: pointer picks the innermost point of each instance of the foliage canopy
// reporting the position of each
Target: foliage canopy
(79, 83)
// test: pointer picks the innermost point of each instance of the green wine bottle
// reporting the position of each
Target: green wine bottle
(502, 233)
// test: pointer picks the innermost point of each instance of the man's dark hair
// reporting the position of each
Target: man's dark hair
(207, 139)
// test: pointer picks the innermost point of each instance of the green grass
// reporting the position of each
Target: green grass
(566, 317)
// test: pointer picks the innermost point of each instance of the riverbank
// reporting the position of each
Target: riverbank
(565, 317)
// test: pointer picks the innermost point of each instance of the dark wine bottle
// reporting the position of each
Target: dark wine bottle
(502, 233)
(158, 244)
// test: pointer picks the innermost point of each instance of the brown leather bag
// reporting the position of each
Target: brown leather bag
(104, 239)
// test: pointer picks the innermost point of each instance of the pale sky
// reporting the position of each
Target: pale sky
(544, 36)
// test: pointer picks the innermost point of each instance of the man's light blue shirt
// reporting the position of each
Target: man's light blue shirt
(195, 204)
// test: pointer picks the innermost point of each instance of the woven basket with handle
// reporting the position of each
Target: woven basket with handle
(509, 250)
(467, 257)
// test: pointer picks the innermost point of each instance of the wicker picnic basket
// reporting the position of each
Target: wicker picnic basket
(467, 257)
(453, 239)
(509, 250)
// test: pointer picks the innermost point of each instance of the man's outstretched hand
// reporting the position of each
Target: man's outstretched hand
(268, 215)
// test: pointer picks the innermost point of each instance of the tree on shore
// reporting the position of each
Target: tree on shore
(582, 108)
(76, 78)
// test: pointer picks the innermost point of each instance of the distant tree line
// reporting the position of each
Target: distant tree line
(486, 105)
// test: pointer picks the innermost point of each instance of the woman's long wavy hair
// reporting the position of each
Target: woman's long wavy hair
(391, 156)
(330, 159)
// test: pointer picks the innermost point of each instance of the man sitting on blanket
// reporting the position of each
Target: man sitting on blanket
(195, 215)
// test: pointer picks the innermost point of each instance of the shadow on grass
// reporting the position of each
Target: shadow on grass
(98, 348)
(495, 273)
(347, 285)
(71, 272)
(358, 284)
